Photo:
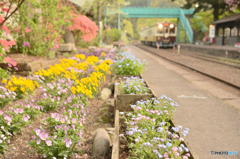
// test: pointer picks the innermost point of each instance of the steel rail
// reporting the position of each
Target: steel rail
(211, 59)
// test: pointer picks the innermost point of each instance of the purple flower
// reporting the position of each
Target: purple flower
(26, 44)
(16, 68)
(9, 65)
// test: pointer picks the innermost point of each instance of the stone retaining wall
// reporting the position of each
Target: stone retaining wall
(25, 68)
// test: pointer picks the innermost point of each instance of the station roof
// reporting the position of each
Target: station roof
(230, 18)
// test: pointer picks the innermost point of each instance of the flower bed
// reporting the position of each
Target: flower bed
(123, 101)
(65, 88)
(151, 133)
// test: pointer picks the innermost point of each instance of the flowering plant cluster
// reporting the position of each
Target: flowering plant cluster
(133, 85)
(21, 86)
(148, 130)
(5, 44)
(6, 96)
(129, 65)
(65, 130)
(101, 53)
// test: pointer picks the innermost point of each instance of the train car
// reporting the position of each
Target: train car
(164, 34)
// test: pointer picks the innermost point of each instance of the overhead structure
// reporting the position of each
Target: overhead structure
(134, 12)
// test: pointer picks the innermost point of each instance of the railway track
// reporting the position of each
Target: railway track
(189, 67)
(212, 59)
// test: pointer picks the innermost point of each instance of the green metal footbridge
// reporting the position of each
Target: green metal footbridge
(147, 12)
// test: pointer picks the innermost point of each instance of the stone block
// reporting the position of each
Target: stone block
(101, 143)
(105, 94)
(66, 47)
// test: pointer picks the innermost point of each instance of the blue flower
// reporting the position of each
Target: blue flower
(119, 65)
(169, 144)
(160, 156)
(180, 148)
(121, 113)
(131, 123)
(162, 123)
(133, 106)
(129, 114)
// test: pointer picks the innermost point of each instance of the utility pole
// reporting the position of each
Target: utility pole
(118, 18)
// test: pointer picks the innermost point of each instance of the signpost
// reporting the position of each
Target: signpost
(212, 33)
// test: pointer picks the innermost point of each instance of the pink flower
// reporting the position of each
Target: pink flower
(138, 108)
(165, 155)
(153, 120)
(37, 131)
(188, 154)
(147, 118)
(130, 132)
(38, 141)
(175, 136)
(49, 142)
(174, 148)
(57, 118)
(53, 115)
(1, 112)
(185, 157)
(25, 118)
(74, 120)
(27, 30)
(176, 154)
(68, 142)
(43, 136)
(165, 111)
(136, 140)
(68, 121)
(181, 139)
(62, 120)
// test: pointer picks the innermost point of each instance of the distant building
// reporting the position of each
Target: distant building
(228, 30)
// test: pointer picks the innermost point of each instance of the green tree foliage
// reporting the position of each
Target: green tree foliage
(127, 27)
(218, 7)
(200, 20)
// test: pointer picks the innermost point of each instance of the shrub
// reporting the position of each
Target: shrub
(114, 35)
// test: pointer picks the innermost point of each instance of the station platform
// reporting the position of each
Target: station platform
(213, 125)
(220, 51)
